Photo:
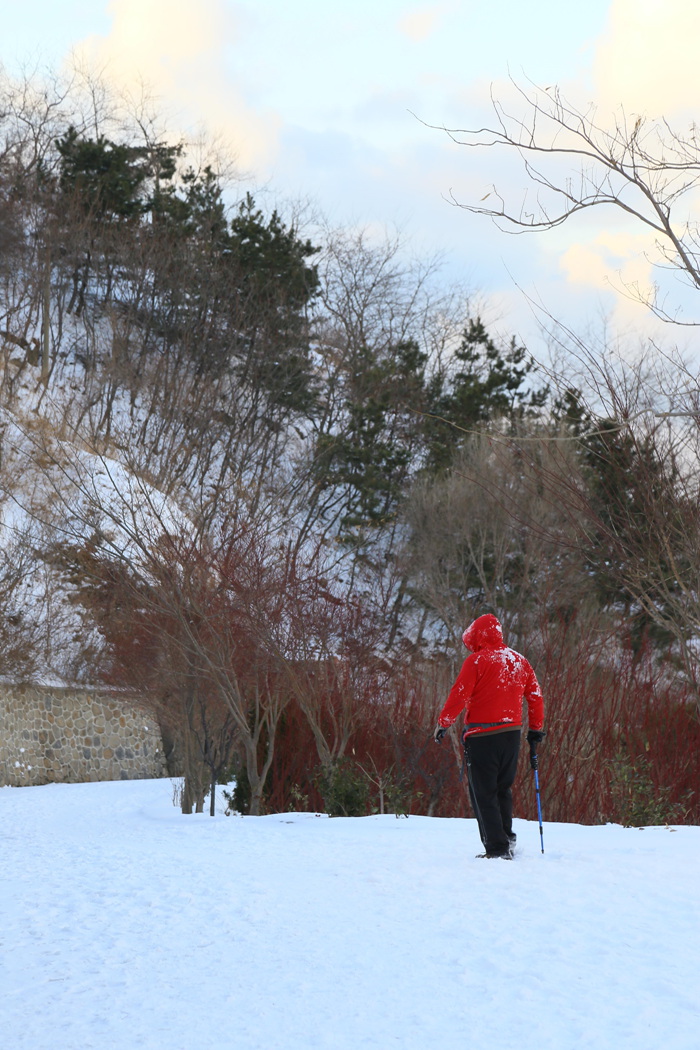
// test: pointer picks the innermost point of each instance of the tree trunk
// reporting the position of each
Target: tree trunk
(194, 787)
(212, 794)
(46, 326)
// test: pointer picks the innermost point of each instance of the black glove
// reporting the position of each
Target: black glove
(535, 736)
(439, 733)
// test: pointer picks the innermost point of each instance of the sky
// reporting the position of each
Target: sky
(329, 102)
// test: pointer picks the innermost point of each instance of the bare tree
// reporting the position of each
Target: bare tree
(576, 160)
(25, 623)
(333, 664)
(491, 536)
(628, 481)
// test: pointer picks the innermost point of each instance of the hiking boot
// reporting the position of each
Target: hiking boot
(506, 855)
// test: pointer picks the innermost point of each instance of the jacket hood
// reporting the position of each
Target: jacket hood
(484, 633)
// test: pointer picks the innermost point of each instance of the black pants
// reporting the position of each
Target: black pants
(492, 759)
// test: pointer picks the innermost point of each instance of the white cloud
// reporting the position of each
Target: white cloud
(610, 259)
(620, 263)
(419, 25)
(178, 48)
(645, 61)
(647, 57)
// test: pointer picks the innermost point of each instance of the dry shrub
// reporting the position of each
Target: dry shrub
(623, 739)
(623, 743)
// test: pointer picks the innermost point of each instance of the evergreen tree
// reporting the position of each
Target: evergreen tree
(275, 284)
(113, 180)
(371, 455)
(486, 383)
(625, 476)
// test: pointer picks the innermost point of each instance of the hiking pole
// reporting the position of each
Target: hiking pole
(534, 764)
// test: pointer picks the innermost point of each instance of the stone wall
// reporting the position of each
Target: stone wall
(52, 735)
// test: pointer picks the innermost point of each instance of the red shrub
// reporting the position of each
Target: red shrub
(623, 742)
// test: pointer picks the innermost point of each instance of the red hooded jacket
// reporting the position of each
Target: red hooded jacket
(492, 683)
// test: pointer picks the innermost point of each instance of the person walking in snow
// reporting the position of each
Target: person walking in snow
(490, 689)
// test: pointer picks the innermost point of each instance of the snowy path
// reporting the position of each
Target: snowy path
(124, 925)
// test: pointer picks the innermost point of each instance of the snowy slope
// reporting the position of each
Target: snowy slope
(125, 925)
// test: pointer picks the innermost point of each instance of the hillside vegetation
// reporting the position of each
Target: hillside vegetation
(262, 474)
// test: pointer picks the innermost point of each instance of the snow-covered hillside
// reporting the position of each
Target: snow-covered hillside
(126, 926)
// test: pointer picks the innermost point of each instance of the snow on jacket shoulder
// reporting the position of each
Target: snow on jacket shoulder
(492, 683)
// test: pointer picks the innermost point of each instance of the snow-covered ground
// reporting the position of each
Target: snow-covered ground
(125, 925)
